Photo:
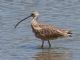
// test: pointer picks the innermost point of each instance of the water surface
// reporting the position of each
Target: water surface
(21, 44)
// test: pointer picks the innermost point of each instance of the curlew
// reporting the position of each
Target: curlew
(45, 32)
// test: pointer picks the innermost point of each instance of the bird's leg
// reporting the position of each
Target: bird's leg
(49, 43)
(42, 44)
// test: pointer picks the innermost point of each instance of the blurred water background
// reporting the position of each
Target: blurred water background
(21, 44)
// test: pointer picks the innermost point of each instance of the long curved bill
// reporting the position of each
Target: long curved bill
(21, 21)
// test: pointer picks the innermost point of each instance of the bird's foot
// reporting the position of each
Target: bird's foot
(50, 46)
(41, 46)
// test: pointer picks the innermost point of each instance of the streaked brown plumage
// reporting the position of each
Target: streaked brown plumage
(45, 32)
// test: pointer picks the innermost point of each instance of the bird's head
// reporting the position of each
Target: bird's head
(33, 14)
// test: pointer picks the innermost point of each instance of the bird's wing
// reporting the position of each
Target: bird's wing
(49, 30)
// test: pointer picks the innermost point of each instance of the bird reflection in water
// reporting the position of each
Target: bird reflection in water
(53, 55)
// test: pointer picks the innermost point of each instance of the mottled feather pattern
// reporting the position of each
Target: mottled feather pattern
(47, 32)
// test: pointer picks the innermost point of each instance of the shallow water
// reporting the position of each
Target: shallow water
(21, 44)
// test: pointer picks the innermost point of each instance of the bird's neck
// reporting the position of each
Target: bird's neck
(34, 20)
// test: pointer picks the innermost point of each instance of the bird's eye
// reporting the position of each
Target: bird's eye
(32, 14)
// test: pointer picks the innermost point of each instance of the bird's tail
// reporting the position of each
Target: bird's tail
(69, 33)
